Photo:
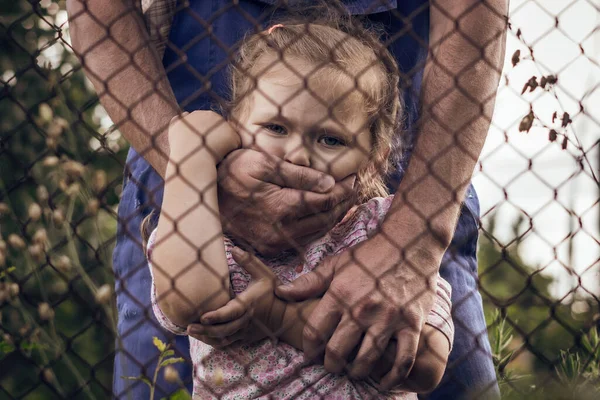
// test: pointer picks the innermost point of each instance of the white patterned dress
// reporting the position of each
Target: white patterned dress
(266, 370)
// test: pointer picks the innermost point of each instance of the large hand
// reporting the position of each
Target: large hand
(275, 205)
(374, 290)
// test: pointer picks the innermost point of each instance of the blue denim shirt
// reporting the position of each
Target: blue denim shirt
(206, 61)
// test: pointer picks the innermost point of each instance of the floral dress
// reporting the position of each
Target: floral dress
(267, 370)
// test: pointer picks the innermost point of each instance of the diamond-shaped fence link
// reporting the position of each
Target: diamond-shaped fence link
(377, 95)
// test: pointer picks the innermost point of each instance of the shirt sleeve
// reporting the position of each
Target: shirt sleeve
(440, 316)
(164, 321)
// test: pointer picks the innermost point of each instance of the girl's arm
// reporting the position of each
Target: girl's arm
(246, 317)
(189, 266)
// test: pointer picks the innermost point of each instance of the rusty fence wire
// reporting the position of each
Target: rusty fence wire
(61, 180)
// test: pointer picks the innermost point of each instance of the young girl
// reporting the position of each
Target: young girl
(322, 95)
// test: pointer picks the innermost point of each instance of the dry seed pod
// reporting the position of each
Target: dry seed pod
(72, 189)
(34, 211)
(45, 112)
(63, 123)
(58, 217)
(13, 290)
(170, 374)
(40, 237)
(51, 143)
(4, 208)
(41, 193)
(48, 375)
(37, 252)
(103, 295)
(54, 130)
(45, 311)
(99, 181)
(50, 161)
(16, 242)
(7, 338)
(2, 246)
(92, 206)
(63, 263)
(73, 169)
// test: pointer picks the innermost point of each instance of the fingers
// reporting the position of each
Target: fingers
(312, 284)
(406, 352)
(301, 178)
(310, 203)
(234, 309)
(220, 342)
(220, 330)
(345, 338)
(371, 350)
(316, 225)
(320, 327)
(256, 268)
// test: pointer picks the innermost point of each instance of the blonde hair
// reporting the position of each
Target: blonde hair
(338, 48)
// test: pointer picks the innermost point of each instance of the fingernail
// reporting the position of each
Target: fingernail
(206, 321)
(326, 183)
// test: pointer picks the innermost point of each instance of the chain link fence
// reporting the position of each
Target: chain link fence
(61, 180)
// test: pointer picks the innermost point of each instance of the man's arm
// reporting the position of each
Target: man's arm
(467, 41)
(113, 44)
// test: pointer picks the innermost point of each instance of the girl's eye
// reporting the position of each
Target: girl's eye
(332, 141)
(276, 129)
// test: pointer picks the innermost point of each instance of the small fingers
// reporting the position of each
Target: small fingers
(233, 310)
(406, 353)
(256, 268)
(220, 330)
(220, 343)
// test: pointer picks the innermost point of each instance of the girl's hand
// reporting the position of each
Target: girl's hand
(201, 135)
(253, 315)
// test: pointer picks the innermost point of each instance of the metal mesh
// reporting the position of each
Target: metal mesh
(61, 169)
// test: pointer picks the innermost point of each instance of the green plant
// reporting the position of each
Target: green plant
(165, 360)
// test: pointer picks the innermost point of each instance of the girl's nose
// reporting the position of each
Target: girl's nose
(297, 152)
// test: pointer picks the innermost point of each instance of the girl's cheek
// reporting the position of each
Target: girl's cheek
(340, 168)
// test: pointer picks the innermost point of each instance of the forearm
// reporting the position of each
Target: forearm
(458, 95)
(113, 45)
(190, 270)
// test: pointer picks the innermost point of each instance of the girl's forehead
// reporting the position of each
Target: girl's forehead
(283, 82)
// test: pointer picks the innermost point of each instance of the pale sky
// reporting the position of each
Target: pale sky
(505, 160)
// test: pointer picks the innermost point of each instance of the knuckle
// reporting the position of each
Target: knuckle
(310, 334)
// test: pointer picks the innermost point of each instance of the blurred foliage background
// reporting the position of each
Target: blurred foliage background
(60, 179)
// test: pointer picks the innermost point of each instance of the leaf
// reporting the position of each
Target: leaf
(516, 57)
(6, 348)
(8, 271)
(564, 144)
(138, 378)
(565, 120)
(170, 361)
(168, 353)
(159, 344)
(526, 122)
(553, 135)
